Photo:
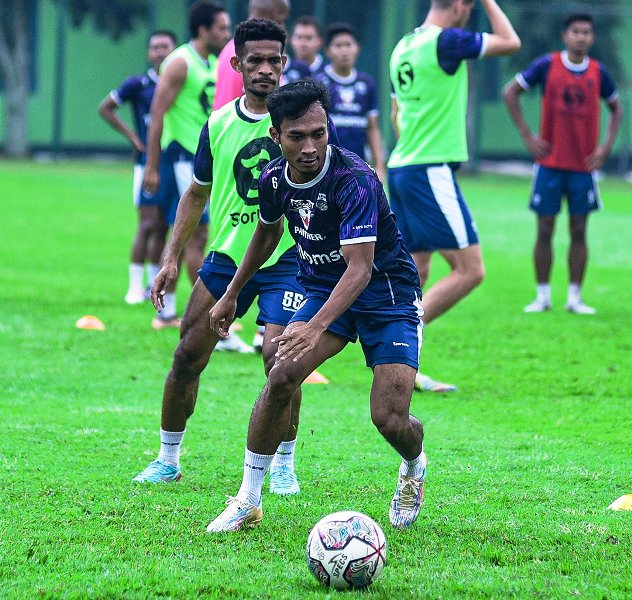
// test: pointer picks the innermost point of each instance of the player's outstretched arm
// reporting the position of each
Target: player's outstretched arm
(302, 338)
(601, 152)
(169, 86)
(190, 209)
(264, 241)
(107, 109)
(503, 39)
(538, 147)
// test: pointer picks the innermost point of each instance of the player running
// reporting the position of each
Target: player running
(138, 90)
(234, 147)
(360, 282)
(424, 192)
(567, 150)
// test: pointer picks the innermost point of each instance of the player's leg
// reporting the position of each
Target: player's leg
(583, 198)
(156, 246)
(135, 291)
(181, 386)
(546, 199)
(269, 423)
(390, 341)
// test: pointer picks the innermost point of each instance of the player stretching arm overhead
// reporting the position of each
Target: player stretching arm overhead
(425, 196)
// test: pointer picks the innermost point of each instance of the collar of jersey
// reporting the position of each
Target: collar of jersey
(250, 115)
(313, 182)
(151, 73)
(574, 67)
(196, 55)
(339, 78)
(318, 61)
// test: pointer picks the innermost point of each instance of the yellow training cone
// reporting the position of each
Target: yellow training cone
(623, 503)
(90, 322)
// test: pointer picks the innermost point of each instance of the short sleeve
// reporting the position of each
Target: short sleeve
(269, 210)
(127, 91)
(203, 161)
(608, 87)
(536, 73)
(372, 106)
(357, 202)
(455, 45)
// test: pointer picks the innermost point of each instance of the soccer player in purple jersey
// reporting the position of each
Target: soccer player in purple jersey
(360, 281)
(354, 109)
(306, 42)
(138, 90)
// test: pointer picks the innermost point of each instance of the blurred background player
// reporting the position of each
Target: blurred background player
(306, 42)
(229, 82)
(234, 147)
(138, 90)
(181, 106)
(354, 108)
(425, 196)
(567, 150)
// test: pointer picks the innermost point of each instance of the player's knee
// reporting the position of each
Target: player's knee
(545, 232)
(189, 360)
(578, 233)
(389, 423)
(282, 384)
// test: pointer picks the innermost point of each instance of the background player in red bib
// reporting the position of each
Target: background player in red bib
(567, 150)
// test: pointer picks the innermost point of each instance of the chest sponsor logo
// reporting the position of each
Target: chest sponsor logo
(405, 76)
(320, 259)
(315, 237)
(574, 96)
(249, 163)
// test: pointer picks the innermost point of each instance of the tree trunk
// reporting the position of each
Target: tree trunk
(14, 65)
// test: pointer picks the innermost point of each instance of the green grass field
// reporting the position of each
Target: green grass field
(524, 458)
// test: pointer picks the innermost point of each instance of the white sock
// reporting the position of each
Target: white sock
(136, 277)
(170, 445)
(152, 271)
(169, 311)
(284, 456)
(415, 467)
(574, 293)
(543, 291)
(255, 469)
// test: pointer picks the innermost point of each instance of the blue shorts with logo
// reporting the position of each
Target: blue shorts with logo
(549, 185)
(140, 197)
(388, 334)
(176, 175)
(430, 209)
(279, 295)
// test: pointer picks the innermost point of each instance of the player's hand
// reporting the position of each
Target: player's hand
(538, 147)
(381, 174)
(222, 315)
(167, 276)
(138, 145)
(297, 340)
(597, 158)
(151, 181)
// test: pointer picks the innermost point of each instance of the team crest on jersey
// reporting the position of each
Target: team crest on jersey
(303, 208)
(321, 202)
(347, 95)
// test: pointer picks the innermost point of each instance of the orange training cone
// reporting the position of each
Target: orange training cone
(90, 322)
(316, 377)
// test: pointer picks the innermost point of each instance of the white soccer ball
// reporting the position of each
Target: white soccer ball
(346, 550)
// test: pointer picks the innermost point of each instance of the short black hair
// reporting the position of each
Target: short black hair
(167, 33)
(340, 27)
(203, 14)
(309, 21)
(293, 100)
(258, 29)
(578, 18)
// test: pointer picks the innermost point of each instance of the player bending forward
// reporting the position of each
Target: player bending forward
(360, 282)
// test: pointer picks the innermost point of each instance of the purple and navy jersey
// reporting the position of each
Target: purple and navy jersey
(344, 204)
(353, 101)
(537, 72)
(455, 45)
(294, 70)
(138, 90)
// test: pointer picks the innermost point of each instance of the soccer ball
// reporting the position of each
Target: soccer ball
(346, 550)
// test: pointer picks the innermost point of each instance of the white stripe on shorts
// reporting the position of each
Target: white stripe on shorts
(137, 182)
(183, 170)
(442, 185)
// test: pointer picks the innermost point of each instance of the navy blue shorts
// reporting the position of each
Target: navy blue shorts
(140, 197)
(176, 175)
(279, 295)
(549, 185)
(430, 209)
(388, 334)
